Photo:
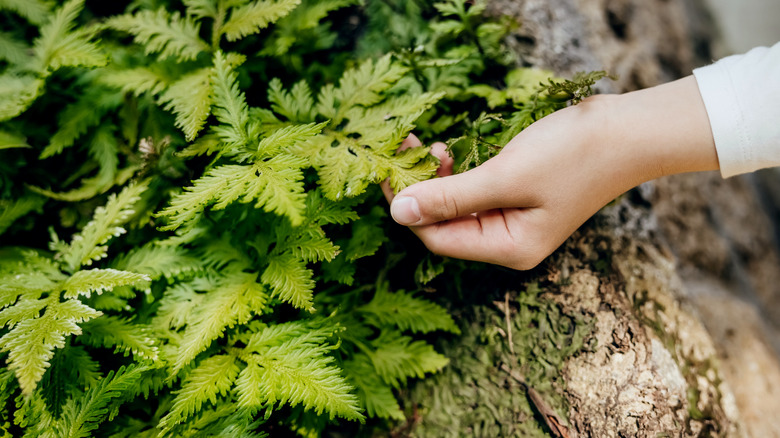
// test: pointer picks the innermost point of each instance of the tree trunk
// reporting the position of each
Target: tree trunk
(652, 319)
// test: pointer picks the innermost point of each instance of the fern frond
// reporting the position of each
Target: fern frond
(367, 235)
(278, 187)
(201, 8)
(230, 106)
(407, 312)
(82, 415)
(297, 105)
(138, 80)
(106, 223)
(221, 185)
(212, 377)
(290, 280)
(11, 210)
(231, 303)
(167, 34)
(17, 93)
(125, 336)
(321, 210)
(35, 11)
(99, 280)
(12, 50)
(253, 17)
(189, 99)
(31, 342)
(286, 137)
(61, 46)
(312, 245)
(363, 85)
(158, 261)
(179, 302)
(296, 371)
(12, 141)
(399, 357)
(375, 395)
(78, 117)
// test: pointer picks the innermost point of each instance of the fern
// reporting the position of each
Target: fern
(167, 34)
(17, 93)
(88, 245)
(61, 46)
(398, 357)
(35, 11)
(82, 415)
(10, 211)
(189, 99)
(250, 18)
(124, 336)
(213, 376)
(286, 369)
(403, 310)
(31, 340)
(232, 302)
(78, 117)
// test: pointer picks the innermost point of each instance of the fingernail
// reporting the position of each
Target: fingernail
(405, 210)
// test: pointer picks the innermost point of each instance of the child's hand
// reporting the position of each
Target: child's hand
(517, 208)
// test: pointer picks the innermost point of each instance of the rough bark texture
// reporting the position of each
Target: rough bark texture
(671, 287)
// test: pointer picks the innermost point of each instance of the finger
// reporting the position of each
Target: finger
(499, 236)
(484, 188)
(439, 150)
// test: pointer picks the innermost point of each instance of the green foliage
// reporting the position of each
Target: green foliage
(208, 192)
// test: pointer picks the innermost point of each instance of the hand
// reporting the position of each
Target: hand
(518, 207)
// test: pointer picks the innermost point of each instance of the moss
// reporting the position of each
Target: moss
(474, 397)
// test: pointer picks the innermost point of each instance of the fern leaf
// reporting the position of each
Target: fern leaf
(321, 210)
(230, 106)
(297, 105)
(253, 17)
(17, 93)
(399, 357)
(407, 312)
(364, 84)
(297, 371)
(12, 50)
(168, 35)
(77, 118)
(376, 396)
(190, 100)
(35, 11)
(31, 342)
(286, 137)
(212, 377)
(290, 280)
(234, 302)
(99, 280)
(177, 305)
(138, 80)
(10, 211)
(312, 245)
(278, 187)
(158, 261)
(125, 336)
(367, 235)
(82, 415)
(201, 8)
(106, 223)
(61, 46)
(221, 185)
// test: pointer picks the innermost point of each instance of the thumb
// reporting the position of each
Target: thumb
(440, 199)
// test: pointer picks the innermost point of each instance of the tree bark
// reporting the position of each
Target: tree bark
(660, 306)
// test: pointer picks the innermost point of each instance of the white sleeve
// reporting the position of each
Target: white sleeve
(742, 96)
